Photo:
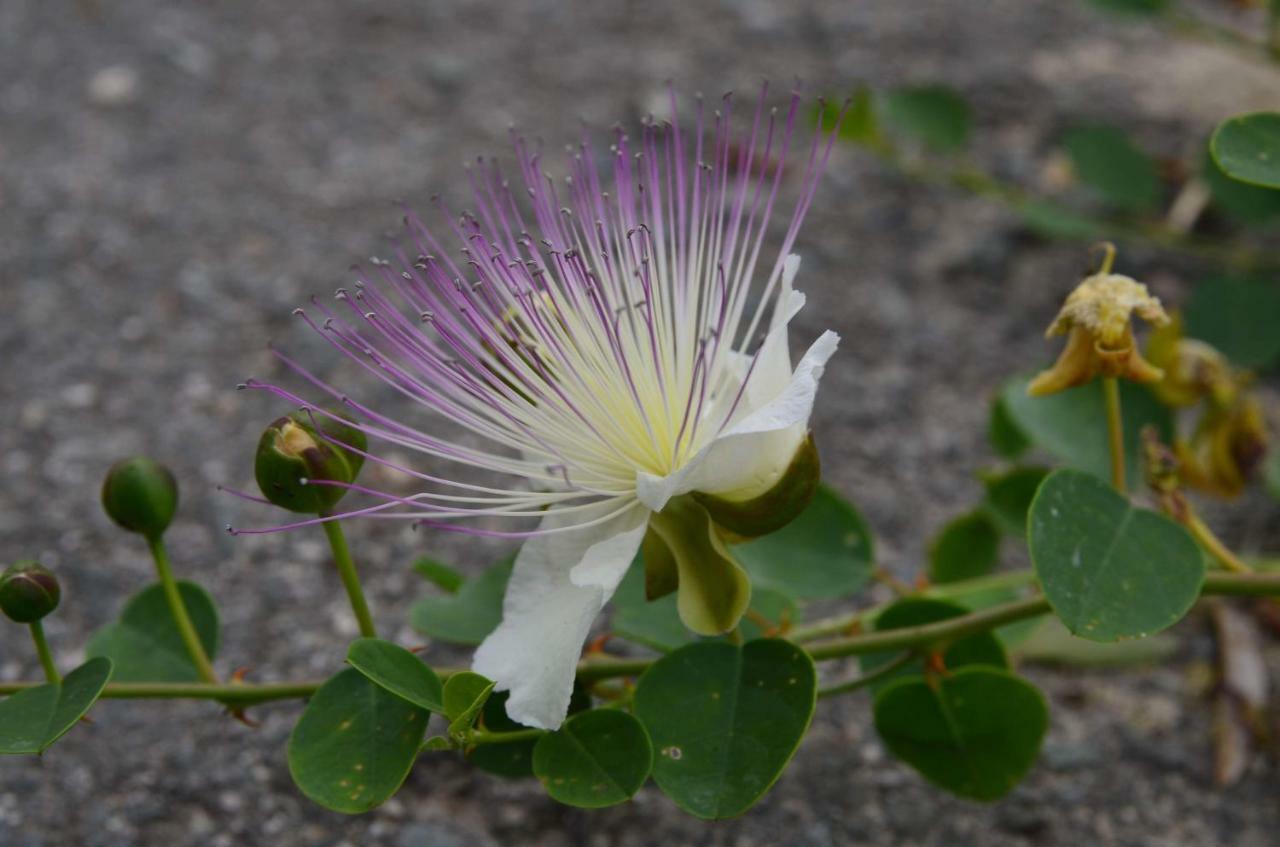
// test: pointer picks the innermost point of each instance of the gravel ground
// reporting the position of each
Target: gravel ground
(175, 177)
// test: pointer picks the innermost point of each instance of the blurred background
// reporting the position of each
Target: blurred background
(176, 177)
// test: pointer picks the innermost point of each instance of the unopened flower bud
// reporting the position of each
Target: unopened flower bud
(1097, 320)
(295, 460)
(141, 495)
(28, 592)
(776, 507)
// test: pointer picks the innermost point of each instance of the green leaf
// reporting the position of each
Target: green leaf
(825, 553)
(469, 615)
(975, 732)
(1246, 203)
(967, 547)
(982, 648)
(1109, 570)
(1107, 160)
(145, 644)
(657, 624)
(933, 114)
(1009, 497)
(395, 669)
(725, 721)
(1132, 7)
(1240, 317)
(598, 758)
(32, 720)
(447, 579)
(1247, 148)
(859, 124)
(513, 759)
(1072, 425)
(1053, 221)
(1003, 433)
(465, 694)
(354, 744)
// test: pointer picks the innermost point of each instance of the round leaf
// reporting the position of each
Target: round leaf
(1053, 221)
(470, 613)
(975, 732)
(725, 720)
(1072, 425)
(1003, 433)
(1109, 570)
(145, 644)
(513, 759)
(465, 694)
(1009, 497)
(1107, 160)
(933, 114)
(32, 720)
(355, 743)
(982, 648)
(825, 553)
(1247, 148)
(1249, 204)
(397, 670)
(1240, 317)
(598, 758)
(967, 547)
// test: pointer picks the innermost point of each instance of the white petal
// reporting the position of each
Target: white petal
(559, 584)
(759, 446)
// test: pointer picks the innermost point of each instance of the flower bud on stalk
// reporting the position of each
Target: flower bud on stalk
(141, 495)
(29, 592)
(292, 452)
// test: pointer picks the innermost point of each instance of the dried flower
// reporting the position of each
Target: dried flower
(1097, 320)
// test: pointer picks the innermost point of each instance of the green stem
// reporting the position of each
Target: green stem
(350, 579)
(866, 679)
(838, 624)
(186, 629)
(928, 636)
(1201, 532)
(1115, 432)
(42, 650)
(933, 635)
(481, 736)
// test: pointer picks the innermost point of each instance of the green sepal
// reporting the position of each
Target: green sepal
(714, 591)
(775, 508)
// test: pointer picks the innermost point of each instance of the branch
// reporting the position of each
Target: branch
(931, 635)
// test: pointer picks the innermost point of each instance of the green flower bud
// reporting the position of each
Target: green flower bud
(775, 508)
(141, 495)
(291, 453)
(28, 592)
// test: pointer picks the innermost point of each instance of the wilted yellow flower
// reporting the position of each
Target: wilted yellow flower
(1226, 450)
(1193, 370)
(1097, 320)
